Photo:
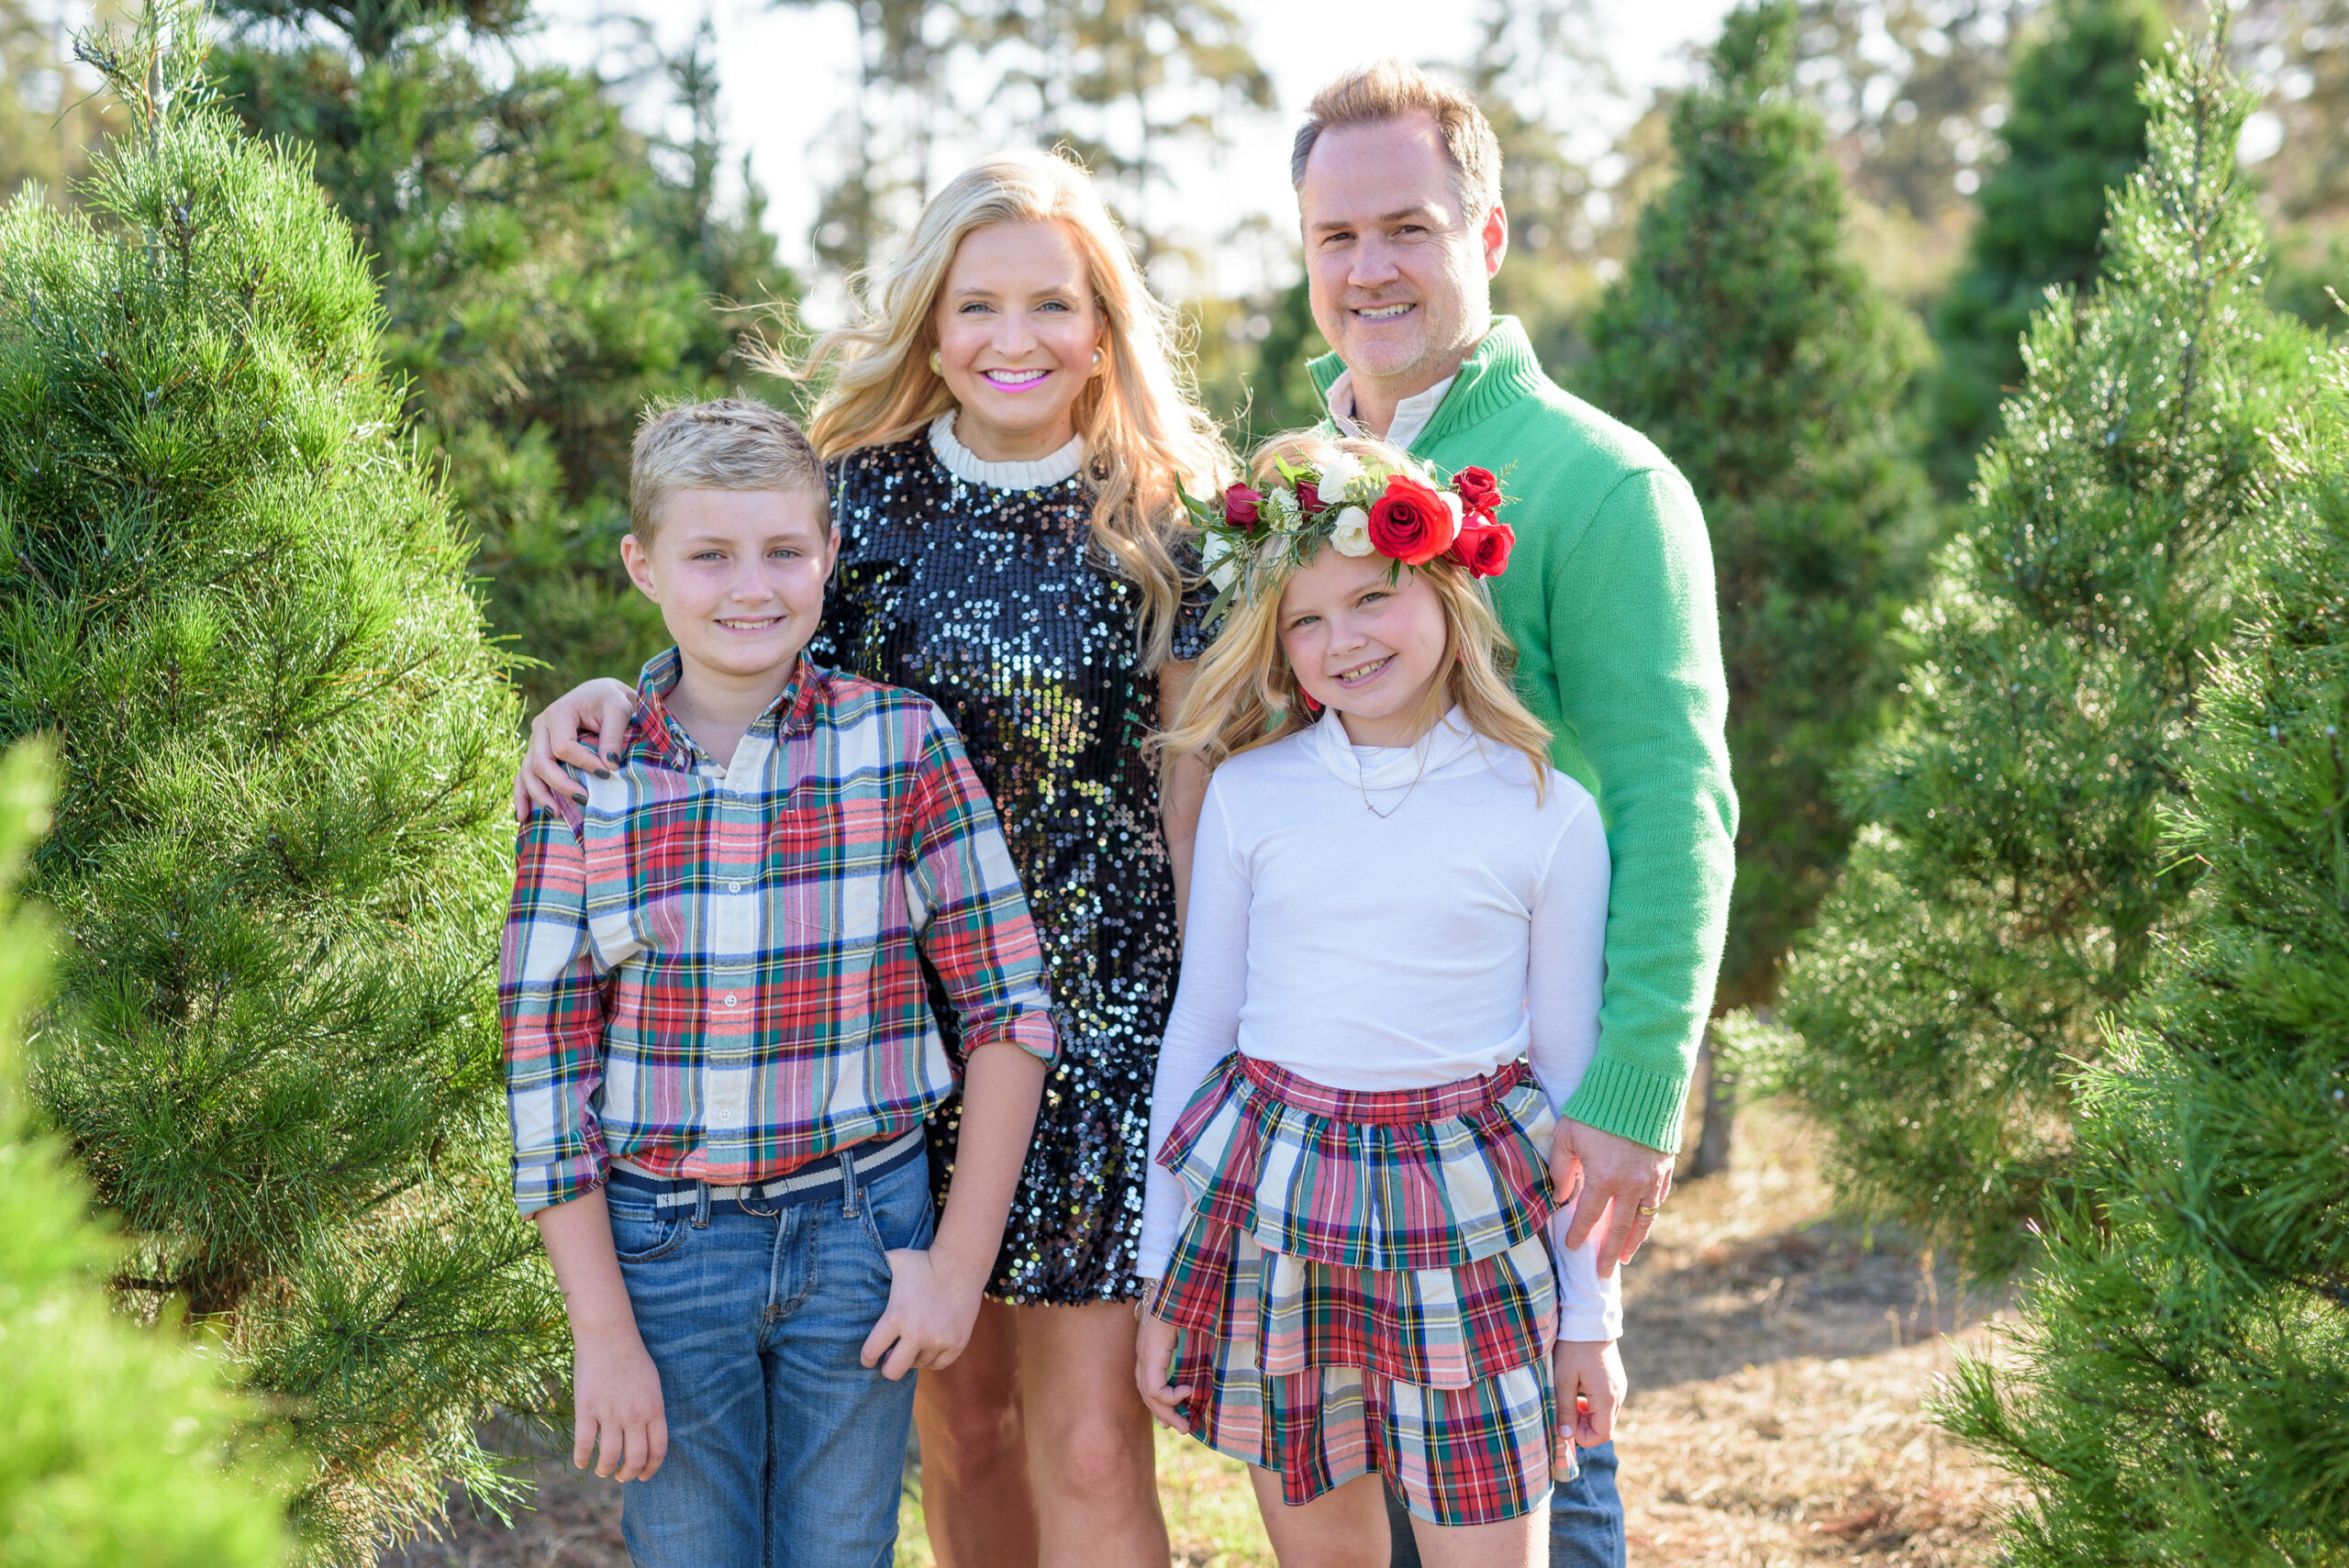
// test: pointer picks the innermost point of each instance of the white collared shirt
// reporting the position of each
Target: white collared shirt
(1411, 415)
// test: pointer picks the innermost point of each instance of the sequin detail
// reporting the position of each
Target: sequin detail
(996, 605)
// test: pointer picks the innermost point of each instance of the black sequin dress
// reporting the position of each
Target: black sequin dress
(995, 603)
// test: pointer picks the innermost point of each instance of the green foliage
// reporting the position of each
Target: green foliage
(237, 599)
(2178, 1391)
(2009, 890)
(544, 270)
(116, 1435)
(1749, 346)
(2075, 130)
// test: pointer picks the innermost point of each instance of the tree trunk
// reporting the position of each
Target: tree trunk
(1719, 1115)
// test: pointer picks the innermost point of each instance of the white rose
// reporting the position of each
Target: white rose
(1221, 565)
(1280, 508)
(1452, 504)
(1341, 470)
(1352, 534)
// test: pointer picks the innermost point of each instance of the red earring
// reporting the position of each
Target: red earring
(1310, 706)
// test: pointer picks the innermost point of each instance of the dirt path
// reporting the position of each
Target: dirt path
(1776, 1366)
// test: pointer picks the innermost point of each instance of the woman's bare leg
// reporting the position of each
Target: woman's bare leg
(975, 1491)
(1343, 1528)
(1513, 1544)
(1090, 1447)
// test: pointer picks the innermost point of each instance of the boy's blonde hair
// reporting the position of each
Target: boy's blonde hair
(1390, 90)
(725, 443)
(1143, 436)
(1244, 694)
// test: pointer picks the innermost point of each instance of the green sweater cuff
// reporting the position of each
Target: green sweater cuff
(1630, 1102)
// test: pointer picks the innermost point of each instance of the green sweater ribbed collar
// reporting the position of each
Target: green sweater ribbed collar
(1500, 371)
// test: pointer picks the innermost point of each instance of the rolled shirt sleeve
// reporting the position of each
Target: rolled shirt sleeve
(550, 1014)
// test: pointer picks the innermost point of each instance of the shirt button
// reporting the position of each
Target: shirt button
(733, 887)
(729, 998)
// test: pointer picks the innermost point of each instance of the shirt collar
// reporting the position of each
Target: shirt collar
(655, 728)
(1411, 415)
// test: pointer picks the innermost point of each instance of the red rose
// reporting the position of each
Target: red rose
(1308, 497)
(1483, 547)
(1409, 523)
(1480, 492)
(1239, 507)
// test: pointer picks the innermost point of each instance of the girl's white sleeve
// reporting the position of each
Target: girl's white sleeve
(1566, 972)
(1204, 1027)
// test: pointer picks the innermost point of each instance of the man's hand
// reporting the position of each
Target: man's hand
(617, 1415)
(1153, 1357)
(932, 1304)
(1619, 1178)
(1590, 1386)
(583, 726)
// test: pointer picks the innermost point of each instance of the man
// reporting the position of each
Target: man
(1610, 598)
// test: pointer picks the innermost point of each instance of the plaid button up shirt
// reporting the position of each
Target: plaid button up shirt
(719, 973)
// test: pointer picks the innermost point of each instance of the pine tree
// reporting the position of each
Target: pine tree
(2178, 1391)
(232, 593)
(116, 1437)
(1753, 350)
(2074, 130)
(2008, 888)
(545, 270)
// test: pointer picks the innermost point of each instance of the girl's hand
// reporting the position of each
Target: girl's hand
(1590, 1384)
(1153, 1358)
(600, 710)
(616, 1413)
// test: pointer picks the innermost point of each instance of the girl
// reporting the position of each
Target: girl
(1008, 434)
(1353, 1225)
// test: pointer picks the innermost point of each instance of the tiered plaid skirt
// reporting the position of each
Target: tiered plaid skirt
(1363, 1284)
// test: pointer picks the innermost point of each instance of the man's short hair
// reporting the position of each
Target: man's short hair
(726, 443)
(1390, 90)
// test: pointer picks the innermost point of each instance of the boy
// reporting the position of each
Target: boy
(718, 1046)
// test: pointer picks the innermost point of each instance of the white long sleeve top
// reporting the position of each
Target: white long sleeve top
(1378, 918)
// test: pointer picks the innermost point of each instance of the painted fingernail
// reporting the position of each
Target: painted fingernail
(580, 798)
(603, 772)
(613, 758)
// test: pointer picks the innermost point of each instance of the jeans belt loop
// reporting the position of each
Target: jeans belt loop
(701, 1205)
(848, 1183)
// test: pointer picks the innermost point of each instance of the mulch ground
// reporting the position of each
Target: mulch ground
(1777, 1362)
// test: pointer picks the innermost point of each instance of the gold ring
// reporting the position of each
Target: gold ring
(1650, 1210)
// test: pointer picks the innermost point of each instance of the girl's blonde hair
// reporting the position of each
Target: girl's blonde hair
(1244, 694)
(1144, 435)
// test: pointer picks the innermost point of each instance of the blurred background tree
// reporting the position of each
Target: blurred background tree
(546, 271)
(1746, 342)
(2073, 131)
(49, 119)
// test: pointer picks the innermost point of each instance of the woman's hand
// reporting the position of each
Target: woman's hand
(584, 727)
(1153, 1358)
(1590, 1384)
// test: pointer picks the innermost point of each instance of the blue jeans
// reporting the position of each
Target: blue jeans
(1586, 1518)
(783, 1452)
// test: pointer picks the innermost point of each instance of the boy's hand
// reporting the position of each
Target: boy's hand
(1153, 1358)
(599, 709)
(1590, 1386)
(933, 1302)
(618, 1399)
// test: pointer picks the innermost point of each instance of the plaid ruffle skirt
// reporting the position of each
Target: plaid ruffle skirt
(1363, 1284)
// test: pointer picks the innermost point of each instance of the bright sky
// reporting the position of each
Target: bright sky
(787, 70)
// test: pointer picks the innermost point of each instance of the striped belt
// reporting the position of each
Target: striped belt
(867, 1161)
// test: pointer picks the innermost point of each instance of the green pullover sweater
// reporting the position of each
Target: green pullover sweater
(1609, 596)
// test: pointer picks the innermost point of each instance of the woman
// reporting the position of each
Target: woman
(1008, 440)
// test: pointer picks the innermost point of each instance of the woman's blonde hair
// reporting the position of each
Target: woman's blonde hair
(1144, 437)
(1244, 694)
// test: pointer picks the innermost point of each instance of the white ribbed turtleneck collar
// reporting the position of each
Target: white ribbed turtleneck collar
(965, 464)
(1437, 751)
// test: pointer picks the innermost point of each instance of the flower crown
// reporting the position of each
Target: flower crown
(1252, 539)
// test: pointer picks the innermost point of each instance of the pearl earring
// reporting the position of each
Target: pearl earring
(937, 362)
